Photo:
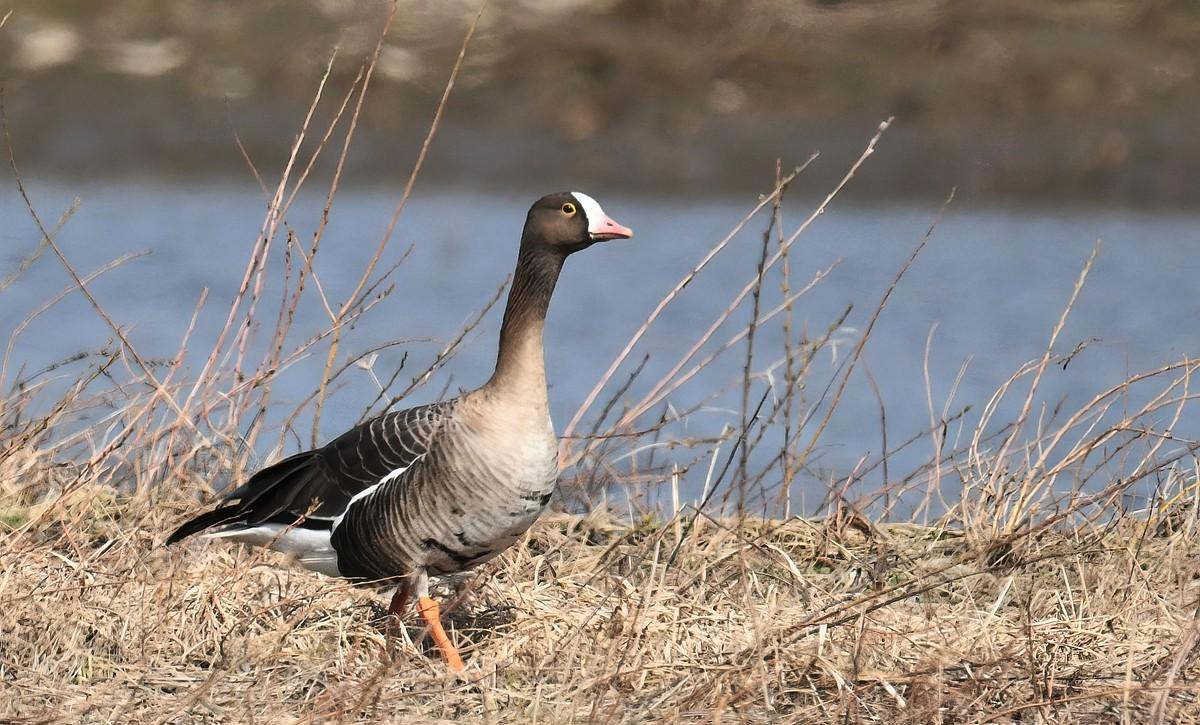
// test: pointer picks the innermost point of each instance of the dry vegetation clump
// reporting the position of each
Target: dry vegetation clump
(1022, 588)
(588, 619)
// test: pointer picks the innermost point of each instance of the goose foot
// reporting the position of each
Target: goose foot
(428, 609)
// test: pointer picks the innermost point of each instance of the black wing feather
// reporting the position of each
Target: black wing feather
(222, 515)
(314, 487)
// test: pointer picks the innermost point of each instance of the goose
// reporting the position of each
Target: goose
(439, 488)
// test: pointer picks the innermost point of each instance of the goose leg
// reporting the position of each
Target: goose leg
(396, 609)
(400, 599)
(428, 609)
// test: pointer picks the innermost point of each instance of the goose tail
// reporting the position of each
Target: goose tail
(206, 520)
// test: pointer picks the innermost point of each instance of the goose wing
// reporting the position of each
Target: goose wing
(315, 487)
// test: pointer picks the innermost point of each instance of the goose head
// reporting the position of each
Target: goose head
(569, 221)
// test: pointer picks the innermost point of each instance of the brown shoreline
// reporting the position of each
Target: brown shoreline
(1084, 101)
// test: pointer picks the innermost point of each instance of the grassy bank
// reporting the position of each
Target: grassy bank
(589, 620)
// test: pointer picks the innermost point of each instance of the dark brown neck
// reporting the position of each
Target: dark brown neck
(520, 365)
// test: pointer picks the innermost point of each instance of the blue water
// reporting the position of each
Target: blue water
(992, 281)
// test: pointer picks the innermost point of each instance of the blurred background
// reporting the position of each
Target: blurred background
(1058, 122)
(1047, 100)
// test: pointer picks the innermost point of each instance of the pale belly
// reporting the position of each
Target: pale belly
(490, 513)
(480, 530)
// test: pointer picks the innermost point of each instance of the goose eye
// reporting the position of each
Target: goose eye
(568, 209)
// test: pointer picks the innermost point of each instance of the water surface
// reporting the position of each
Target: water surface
(990, 286)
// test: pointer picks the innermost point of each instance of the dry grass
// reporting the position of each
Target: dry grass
(1034, 594)
(591, 620)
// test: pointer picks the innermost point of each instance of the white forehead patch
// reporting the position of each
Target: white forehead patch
(591, 209)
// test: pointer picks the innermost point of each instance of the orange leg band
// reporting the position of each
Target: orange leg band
(428, 609)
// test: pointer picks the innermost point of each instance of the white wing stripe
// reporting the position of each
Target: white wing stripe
(391, 476)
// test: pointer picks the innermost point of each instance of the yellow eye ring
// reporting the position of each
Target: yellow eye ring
(568, 209)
